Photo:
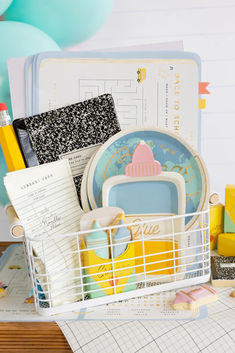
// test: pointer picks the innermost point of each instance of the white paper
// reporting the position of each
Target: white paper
(150, 307)
(166, 95)
(16, 67)
(78, 159)
(45, 200)
(16, 73)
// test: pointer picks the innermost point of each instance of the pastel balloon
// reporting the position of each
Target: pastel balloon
(4, 4)
(67, 21)
(17, 39)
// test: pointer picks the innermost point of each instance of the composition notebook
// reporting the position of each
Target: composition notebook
(223, 271)
(73, 132)
(149, 88)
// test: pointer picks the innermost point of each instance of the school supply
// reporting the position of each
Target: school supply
(173, 153)
(150, 308)
(73, 132)
(222, 271)
(216, 223)
(149, 88)
(145, 193)
(18, 72)
(111, 216)
(226, 244)
(122, 235)
(102, 277)
(229, 211)
(98, 239)
(8, 141)
(189, 300)
(45, 200)
(134, 192)
(103, 266)
(101, 274)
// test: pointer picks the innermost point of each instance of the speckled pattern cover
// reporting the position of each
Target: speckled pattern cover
(223, 267)
(71, 128)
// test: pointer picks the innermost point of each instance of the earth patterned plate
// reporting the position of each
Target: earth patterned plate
(171, 151)
(83, 190)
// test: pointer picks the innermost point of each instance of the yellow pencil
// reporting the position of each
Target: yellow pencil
(8, 141)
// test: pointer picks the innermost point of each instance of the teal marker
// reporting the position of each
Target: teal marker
(97, 239)
(122, 236)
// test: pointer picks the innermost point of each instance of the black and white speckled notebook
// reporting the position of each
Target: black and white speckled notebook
(223, 271)
(74, 132)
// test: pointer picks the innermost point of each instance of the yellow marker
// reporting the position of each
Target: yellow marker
(8, 141)
(201, 103)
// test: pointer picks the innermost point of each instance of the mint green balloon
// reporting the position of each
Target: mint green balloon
(4, 4)
(67, 21)
(17, 39)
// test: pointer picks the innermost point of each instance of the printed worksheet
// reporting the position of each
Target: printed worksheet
(148, 307)
(18, 304)
(147, 92)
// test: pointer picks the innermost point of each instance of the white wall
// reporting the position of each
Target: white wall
(207, 27)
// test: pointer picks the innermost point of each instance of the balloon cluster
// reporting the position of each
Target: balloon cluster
(31, 26)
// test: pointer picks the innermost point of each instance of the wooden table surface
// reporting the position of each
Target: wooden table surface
(31, 336)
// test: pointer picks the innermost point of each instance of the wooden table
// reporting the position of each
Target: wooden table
(31, 337)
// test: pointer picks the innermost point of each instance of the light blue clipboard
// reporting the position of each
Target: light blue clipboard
(29, 106)
(114, 55)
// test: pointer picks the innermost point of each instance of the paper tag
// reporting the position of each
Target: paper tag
(78, 159)
(231, 265)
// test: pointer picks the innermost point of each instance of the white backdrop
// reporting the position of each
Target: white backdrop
(206, 27)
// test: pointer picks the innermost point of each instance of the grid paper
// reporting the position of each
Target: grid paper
(211, 335)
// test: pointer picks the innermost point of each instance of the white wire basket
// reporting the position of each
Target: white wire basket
(67, 276)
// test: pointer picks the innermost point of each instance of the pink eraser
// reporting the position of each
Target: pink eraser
(194, 298)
